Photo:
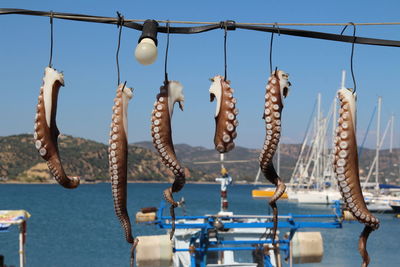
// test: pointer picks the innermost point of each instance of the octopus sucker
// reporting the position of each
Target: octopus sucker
(46, 132)
(277, 90)
(170, 93)
(225, 114)
(118, 162)
(347, 171)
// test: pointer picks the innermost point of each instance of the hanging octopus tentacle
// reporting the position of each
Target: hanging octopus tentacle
(347, 172)
(225, 114)
(277, 89)
(118, 161)
(46, 131)
(161, 132)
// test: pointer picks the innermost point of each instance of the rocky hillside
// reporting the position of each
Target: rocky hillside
(19, 161)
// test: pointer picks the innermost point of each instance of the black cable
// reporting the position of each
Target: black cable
(205, 28)
(119, 25)
(323, 35)
(51, 40)
(166, 55)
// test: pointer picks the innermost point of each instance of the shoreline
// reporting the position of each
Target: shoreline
(129, 182)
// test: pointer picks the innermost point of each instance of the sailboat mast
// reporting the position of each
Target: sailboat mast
(391, 133)
(378, 128)
(343, 79)
(319, 143)
(278, 160)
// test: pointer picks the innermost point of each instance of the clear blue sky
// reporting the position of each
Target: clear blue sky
(85, 52)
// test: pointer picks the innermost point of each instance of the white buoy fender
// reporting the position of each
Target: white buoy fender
(154, 251)
(307, 247)
(145, 217)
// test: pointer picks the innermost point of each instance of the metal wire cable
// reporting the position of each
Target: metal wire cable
(270, 47)
(270, 52)
(166, 55)
(51, 41)
(119, 25)
(225, 63)
(352, 54)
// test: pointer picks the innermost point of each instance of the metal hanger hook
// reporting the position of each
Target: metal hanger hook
(271, 45)
(120, 23)
(225, 61)
(352, 54)
(51, 38)
(166, 54)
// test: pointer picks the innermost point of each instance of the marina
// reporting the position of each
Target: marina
(59, 234)
(77, 201)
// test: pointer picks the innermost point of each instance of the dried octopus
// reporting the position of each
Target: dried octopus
(118, 161)
(276, 91)
(225, 114)
(347, 172)
(170, 93)
(46, 132)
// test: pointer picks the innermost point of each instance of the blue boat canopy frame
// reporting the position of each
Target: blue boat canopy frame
(202, 241)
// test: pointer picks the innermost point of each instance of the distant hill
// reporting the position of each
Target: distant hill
(20, 161)
(239, 170)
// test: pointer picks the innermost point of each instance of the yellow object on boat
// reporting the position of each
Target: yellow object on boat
(266, 193)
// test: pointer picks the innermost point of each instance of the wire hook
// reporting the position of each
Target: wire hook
(225, 61)
(352, 54)
(120, 23)
(166, 54)
(51, 38)
(271, 43)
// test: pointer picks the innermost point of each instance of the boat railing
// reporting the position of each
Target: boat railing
(265, 221)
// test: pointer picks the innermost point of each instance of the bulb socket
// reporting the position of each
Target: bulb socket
(150, 28)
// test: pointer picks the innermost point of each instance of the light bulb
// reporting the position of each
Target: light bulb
(146, 51)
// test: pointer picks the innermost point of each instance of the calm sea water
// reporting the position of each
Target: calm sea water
(78, 227)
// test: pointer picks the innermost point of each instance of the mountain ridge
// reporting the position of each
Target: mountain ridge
(20, 162)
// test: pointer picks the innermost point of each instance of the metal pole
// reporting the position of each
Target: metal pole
(378, 128)
(21, 245)
(374, 162)
(222, 158)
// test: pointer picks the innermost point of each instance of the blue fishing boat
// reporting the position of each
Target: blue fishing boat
(228, 239)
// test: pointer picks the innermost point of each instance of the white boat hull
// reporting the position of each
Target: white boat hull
(380, 203)
(315, 197)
